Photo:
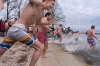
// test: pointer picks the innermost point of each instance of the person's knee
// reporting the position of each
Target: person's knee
(38, 46)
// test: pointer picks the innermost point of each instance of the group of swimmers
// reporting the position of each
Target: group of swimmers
(32, 14)
(69, 33)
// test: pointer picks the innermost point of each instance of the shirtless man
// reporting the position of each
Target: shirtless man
(6, 27)
(31, 30)
(18, 32)
(42, 30)
(59, 33)
(69, 34)
(54, 35)
(90, 37)
(77, 37)
(35, 29)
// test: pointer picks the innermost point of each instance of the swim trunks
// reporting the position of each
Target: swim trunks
(16, 33)
(76, 39)
(54, 36)
(91, 41)
(58, 35)
(42, 37)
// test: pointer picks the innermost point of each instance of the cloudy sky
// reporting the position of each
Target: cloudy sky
(81, 14)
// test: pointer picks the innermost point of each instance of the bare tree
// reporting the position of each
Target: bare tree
(20, 5)
(10, 7)
(14, 8)
(57, 13)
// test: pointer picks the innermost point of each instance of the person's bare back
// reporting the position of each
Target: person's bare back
(90, 33)
(70, 34)
(90, 37)
(59, 29)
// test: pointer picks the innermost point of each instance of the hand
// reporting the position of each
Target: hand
(52, 21)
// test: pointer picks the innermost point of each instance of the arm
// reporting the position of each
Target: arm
(93, 33)
(37, 2)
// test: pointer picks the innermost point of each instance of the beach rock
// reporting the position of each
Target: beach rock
(16, 56)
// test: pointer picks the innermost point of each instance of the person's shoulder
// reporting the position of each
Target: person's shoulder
(43, 19)
(38, 3)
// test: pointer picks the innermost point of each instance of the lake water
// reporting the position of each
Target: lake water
(87, 54)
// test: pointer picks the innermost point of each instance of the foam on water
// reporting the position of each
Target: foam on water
(88, 55)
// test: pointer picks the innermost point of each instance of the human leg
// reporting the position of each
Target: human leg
(2, 51)
(38, 50)
(31, 42)
(6, 44)
(95, 48)
(45, 49)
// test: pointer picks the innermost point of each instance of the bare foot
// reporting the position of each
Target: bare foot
(44, 57)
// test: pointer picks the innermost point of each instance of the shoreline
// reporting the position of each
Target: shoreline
(59, 57)
(56, 56)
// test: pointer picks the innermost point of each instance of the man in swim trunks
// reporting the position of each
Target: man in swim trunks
(59, 33)
(18, 32)
(42, 30)
(77, 36)
(54, 34)
(90, 37)
(6, 26)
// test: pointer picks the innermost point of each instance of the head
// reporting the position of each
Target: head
(15, 19)
(6, 20)
(77, 32)
(68, 27)
(48, 15)
(48, 4)
(0, 20)
(60, 25)
(92, 27)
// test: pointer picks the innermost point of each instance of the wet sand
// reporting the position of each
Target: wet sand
(56, 56)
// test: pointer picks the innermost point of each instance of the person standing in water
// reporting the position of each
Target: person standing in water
(69, 35)
(90, 38)
(77, 37)
(59, 33)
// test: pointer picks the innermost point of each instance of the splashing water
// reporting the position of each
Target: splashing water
(88, 55)
(77, 47)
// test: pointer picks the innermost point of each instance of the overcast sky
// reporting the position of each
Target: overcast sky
(81, 14)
